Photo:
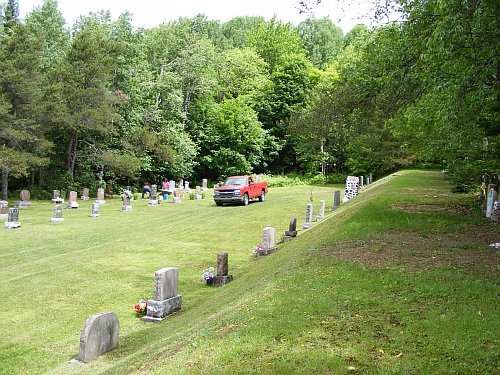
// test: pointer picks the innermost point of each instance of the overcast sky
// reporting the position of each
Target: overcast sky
(150, 13)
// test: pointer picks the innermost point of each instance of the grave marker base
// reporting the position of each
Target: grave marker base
(4, 216)
(222, 280)
(11, 225)
(58, 200)
(158, 310)
(23, 204)
(126, 208)
(176, 200)
(57, 220)
(307, 225)
(72, 205)
(264, 252)
(153, 202)
(100, 201)
(84, 198)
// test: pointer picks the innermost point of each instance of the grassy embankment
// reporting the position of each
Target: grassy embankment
(398, 280)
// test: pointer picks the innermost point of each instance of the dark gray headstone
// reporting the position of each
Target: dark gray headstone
(100, 334)
(222, 264)
(13, 215)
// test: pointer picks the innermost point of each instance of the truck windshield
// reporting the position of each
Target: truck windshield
(235, 181)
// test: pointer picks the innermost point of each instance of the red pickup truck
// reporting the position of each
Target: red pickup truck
(240, 189)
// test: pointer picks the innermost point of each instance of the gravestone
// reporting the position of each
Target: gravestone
(309, 217)
(222, 277)
(56, 197)
(370, 179)
(198, 193)
(268, 243)
(351, 188)
(100, 196)
(85, 194)
(72, 200)
(4, 209)
(109, 191)
(165, 299)
(12, 219)
(495, 213)
(126, 206)
(257, 179)
(491, 199)
(95, 210)
(361, 181)
(171, 187)
(204, 184)
(100, 334)
(336, 200)
(187, 189)
(177, 196)
(25, 199)
(321, 214)
(57, 215)
(153, 199)
(292, 230)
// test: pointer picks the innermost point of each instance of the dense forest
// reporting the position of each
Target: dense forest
(105, 102)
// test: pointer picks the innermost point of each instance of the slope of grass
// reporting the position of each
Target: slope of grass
(391, 282)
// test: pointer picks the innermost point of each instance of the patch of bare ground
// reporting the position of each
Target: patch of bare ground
(421, 208)
(468, 250)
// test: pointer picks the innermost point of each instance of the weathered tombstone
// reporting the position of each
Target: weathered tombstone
(177, 196)
(165, 299)
(222, 277)
(85, 194)
(204, 184)
(95, 210)
(187, 190)
(336, 200)
(57, 215)
(361, 181)
(268, 243)
(126, 206)
(56, 197)
(309, 216)
(4, 209)
(351, 188)
(153, 199)
(257, 179)
(292, 230)
(495, 213)
(109, 191)
(492, 198)
(100, 334)
(198, 193)
(12, 219)
(72, 200)
(100, 196)
(171, 186)
(371, 179)
(25, 199)
(321, 214)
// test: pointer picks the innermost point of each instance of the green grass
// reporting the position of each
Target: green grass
(303, 309)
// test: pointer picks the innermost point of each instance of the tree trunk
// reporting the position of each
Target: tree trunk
(71, 156)
(5, 179)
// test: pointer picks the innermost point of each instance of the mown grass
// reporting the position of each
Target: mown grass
(308, 308)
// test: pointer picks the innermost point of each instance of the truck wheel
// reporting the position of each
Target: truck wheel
(262, 196)
(218, 203)
(245, 200)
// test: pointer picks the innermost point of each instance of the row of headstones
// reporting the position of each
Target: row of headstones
(101, 331)
(268, 244)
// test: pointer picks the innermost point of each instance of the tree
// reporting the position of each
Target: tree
(80, 102)
(322, 39)
(22, 142)
(47, 22)
(11, 14)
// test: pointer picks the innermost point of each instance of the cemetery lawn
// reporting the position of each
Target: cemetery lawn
(399, 280)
